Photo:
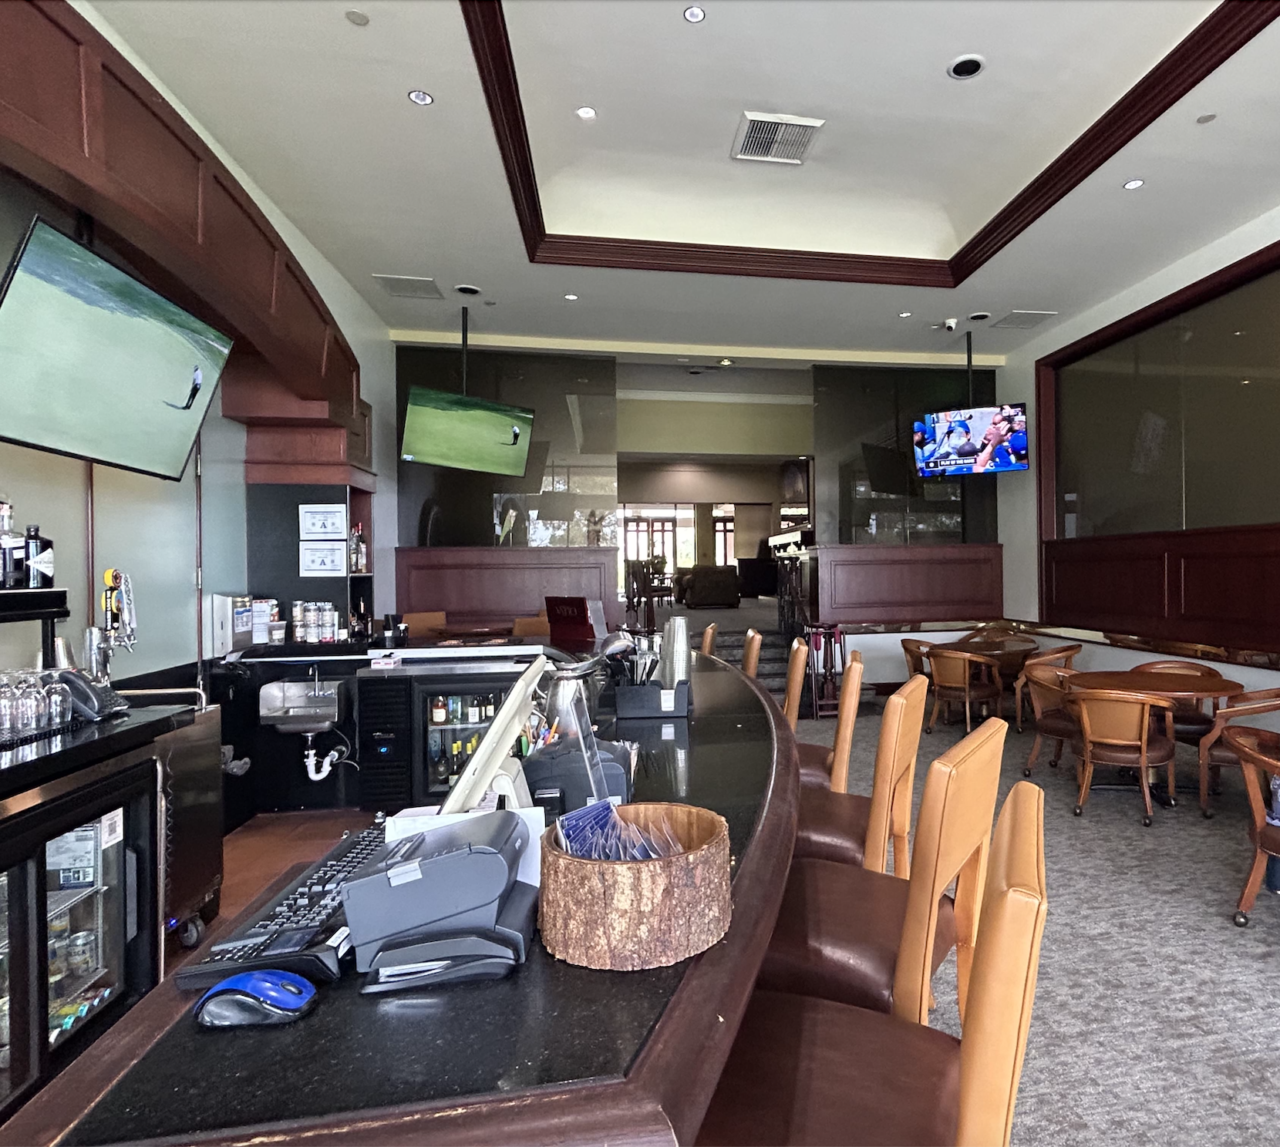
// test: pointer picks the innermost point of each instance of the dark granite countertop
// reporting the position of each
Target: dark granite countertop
(29, 765)
(549, 1024)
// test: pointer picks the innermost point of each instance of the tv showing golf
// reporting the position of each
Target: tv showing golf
(465, 433)
(96, 365)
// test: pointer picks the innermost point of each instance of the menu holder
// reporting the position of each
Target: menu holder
(652, 700)
(625, 915)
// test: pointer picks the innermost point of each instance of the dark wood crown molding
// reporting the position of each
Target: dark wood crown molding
(1213, 41)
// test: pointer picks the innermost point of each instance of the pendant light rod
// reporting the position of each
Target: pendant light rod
(464, 352)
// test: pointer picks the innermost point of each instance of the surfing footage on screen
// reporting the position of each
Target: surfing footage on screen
(979, 440)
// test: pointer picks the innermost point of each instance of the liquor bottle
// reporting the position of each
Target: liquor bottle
(442, 767)
(362, 549)
(13, 551)
(488, 707)
(439, 714)
(455, 709)
(457, 764)
(473, 709)
(39, 560)
(351, 551)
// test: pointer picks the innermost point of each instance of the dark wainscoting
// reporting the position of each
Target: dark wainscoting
(476, 585)
(1214, 587)
(870, 583)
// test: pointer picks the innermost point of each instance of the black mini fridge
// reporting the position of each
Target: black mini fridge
(79, 914)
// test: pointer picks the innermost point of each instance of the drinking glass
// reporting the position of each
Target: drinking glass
(58, 697)
(8, 710)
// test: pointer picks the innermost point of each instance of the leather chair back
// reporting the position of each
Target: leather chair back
(797, 663)
(953, 669)
(1258, 750)
(709, 640)
(953, 834)
(1112, 717)
(1062, 655)
(424, 623)
(895, 776)
(751, 652)
(1047, 685)
(846, 718)
(914, 652)
(531, 627)
(1190, 668)
(1003, 984)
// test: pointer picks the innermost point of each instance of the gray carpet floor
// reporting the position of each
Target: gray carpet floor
(1154, 1019)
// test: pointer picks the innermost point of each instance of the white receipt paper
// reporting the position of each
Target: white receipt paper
(411, 820)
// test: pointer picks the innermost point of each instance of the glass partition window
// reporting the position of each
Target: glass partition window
(1171, 429)
(722, 522)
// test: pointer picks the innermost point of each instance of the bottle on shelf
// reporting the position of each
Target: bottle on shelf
(474, 710)
(439, 713)
(455, 710)
(457, 764)
(351, 551)
(489, 707)
(362, 550)
(39, 560)
(13, 550)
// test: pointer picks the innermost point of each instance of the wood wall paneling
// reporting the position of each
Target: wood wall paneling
(1213, 586)
(39, 66)
(237, 243)
(891, 584)
(479, 585)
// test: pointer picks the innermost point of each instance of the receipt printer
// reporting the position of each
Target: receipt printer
(558, 779)
(443, 906)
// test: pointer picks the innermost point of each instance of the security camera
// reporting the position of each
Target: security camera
(951, 324)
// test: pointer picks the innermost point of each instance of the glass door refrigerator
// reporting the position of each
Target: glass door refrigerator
(453, 716)
(78, 915)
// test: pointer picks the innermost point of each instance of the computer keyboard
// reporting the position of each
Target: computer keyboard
(302, 930)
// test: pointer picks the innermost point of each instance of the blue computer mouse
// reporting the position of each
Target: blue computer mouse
(266, 996)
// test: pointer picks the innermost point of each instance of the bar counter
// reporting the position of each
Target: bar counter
(553, 1053)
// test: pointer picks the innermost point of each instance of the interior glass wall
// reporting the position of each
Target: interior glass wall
(1170, 429)
(867, 490)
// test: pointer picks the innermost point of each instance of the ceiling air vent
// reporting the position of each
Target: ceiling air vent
(1025, 320)
(774, 138)
(409, 287)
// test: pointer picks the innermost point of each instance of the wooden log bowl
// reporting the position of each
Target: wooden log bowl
(624, 915)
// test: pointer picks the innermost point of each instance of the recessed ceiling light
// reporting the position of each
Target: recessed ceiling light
(1237, 333)
(358, 18)
(572, 298)
(586, 113)
(904, 314)
(726, 362)
(421, 98)
(804, 457)
(965, 67)
(682, 360)
(694, 14)
(466, 289)
(1209, 118)
(1133, 184)
(979, 316)
(1244, 382)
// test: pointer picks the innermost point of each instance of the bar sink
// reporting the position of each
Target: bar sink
(301, 706)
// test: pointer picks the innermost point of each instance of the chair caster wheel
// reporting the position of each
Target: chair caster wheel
(1207, 813)
(1026, 772)
(1078, 809)
(1146, 822)
(1053, 764)
(1240, 920)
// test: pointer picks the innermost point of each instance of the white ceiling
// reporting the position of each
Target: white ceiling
(909, 162)
(315, 110)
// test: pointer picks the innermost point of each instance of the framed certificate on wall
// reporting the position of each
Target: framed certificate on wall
(316, 521)
(322, 559)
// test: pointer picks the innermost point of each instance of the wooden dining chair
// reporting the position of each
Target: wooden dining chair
(868, 939)
(709, 640)
(425, 623)
(751, 652)
(1115, 731)
(850, 828)
(1059, 655)
(804, 1070)
(954, 683)
(797, 666)
(1049, 688)
(914, 651)
(828, 768)
(1258, 751)
(1214, 750)
(1190, 721)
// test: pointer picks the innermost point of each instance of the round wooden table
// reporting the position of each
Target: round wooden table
(1179, 686)
(1011, 652)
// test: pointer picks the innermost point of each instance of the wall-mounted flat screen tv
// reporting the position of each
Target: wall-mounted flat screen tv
(978, 440)
(98, 366)
(465, 433)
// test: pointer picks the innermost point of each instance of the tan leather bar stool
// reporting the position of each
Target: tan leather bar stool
(805, 1070)
(817, 762)
(797, 663)
(864, 938)
(852, 829)
(751, 652)
(709, 640)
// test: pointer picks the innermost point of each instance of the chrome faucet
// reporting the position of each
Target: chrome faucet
(314, 672)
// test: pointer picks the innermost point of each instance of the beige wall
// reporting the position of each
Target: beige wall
(704, 531)
(698, 482)
(662, 427)
(751, 523)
